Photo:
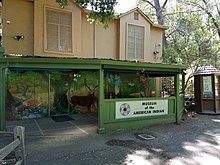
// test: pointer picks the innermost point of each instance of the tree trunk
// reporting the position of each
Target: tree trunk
(160, 19)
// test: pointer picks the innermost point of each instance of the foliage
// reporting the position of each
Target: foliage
(102, 10)
(62, 3)
(91, 78)
(25, 82)
(209, 9)
(193, 35)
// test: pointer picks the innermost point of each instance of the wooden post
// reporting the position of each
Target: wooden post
(20, 151)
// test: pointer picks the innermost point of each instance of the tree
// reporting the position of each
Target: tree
(210, 8)
(159, 10)
(102, 10)
(193, 34)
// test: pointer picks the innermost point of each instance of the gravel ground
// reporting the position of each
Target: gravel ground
(195, 141)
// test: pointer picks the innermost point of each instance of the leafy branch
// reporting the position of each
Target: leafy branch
(102, 10)
(62, 3)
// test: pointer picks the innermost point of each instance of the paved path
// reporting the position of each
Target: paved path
(195, 141)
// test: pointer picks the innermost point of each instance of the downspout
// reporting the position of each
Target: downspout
(94, 39)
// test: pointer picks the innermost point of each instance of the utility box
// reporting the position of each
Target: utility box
(207, 90)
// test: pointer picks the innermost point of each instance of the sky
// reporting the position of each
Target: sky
(124, 5)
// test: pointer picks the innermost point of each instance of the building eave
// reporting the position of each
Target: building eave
(137, 9)
(87, 63)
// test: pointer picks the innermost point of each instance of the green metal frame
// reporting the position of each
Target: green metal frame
(2, 92)
(2, 99)
(106, 113)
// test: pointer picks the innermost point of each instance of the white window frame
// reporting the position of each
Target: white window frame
(46, 8)
(127, 47)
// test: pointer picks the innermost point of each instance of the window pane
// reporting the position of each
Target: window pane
(128, 85)
(131, 40)
(52, 17)
(66, 19)
(28, 93)
(52, 37)
(207, 87)
(59, 31)
(217, 90)
(135, 42)
(65, 42)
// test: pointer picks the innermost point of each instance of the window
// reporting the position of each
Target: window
(59, 31)
(168, 88)
(135, 42)
(136, 16)
(207, 87)
(129, 85)
(217, 86)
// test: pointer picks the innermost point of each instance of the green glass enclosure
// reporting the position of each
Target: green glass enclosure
(123, 94)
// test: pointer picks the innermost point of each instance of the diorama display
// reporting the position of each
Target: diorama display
(128, 85)
(38, 93)
(136, 85)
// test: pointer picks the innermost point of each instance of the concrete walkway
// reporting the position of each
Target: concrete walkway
(195, 141)
(82, 124)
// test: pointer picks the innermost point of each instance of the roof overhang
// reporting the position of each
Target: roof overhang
(44, 63)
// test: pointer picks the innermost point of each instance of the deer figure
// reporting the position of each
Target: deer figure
(87, 100)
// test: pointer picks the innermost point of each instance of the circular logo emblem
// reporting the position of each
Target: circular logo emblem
(125, 109)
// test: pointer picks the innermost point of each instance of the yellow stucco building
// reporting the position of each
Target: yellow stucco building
(56, 63)
(47, 30)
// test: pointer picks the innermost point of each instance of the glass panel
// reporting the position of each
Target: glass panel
(52, 17)
(207, 87)
(217, 86)
(65, 19)
(52, 37)
(168, 86)
(27, 95)
(129, 85)
(70, 92)
(181, 90)
(74, 92)
(83, 91)
(136, 16)
(58, 89)
(136, 41)
(65, 41)
(59, 31)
